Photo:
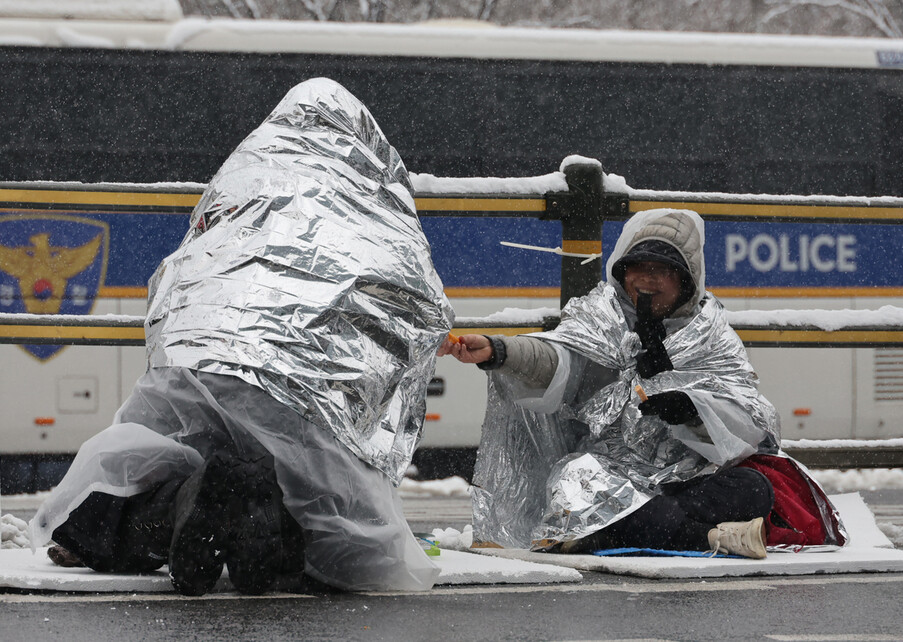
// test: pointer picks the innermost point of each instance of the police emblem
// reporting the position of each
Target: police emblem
(51, 264)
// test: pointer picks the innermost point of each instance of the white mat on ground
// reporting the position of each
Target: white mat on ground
(869, 550)
(21, 569)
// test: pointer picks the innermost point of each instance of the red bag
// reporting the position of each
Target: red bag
(795, 518)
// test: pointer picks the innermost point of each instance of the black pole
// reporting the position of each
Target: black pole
(582, 210)
(581, 230)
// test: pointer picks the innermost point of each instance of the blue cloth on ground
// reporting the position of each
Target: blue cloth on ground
(658, 552)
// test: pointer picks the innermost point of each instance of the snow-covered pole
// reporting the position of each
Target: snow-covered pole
(581, 211)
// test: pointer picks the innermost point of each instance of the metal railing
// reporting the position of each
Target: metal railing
(582, 211)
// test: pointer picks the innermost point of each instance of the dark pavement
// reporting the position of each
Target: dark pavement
(601, 607)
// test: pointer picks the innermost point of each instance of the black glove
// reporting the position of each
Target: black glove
(654, 358)
(673, 406)
(650, 329)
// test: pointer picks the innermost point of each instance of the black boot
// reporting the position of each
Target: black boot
(114, 534)
(255, 555)
(201, 527)
(145, 532)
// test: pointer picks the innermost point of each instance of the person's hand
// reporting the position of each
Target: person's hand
(469, 348)
(654, 358)
(674, 406)
(650, 329)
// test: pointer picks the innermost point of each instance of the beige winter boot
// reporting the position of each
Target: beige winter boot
(739, 538)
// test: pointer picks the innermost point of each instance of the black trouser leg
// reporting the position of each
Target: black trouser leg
(121, 534)
(650, 526)
(681, 517)
(733, 495)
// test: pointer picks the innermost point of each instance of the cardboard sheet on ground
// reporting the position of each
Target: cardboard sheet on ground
(22, 569)
(869, 551)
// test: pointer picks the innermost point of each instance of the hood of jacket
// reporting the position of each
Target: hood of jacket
(682, 229)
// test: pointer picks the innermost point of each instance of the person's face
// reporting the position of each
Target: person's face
(660, 280)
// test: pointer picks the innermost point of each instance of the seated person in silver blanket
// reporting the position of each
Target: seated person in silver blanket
(574, 457)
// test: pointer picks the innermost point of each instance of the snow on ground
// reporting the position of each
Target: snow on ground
(846, 481)
(13, 532)
(893, 532)
(449, 487)
(453, 539)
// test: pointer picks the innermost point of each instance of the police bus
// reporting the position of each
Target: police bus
(102, 101)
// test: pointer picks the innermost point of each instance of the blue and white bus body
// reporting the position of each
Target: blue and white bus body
(53, 400)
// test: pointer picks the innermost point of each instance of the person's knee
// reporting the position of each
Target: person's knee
(758, 489)
(735, 494)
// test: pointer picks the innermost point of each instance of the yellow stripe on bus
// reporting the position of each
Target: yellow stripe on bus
(774, 211)
(122, 292)
(502, 293)
(821, 336)
(455, 292)
(69, 332)
(156, 199)
(163, 199)
(136, 292)
(430, 204)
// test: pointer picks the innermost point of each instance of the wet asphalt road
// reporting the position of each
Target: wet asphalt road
(853, 607)
(601, 607)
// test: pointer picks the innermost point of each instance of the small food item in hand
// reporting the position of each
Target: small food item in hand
(453, 338)
(640, 392)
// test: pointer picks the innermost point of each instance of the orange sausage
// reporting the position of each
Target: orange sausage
(640, 392)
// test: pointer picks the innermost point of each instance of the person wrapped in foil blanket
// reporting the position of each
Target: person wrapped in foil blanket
(575, 458)
(290, 340)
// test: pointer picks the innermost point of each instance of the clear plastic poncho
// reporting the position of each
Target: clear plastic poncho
(547, 474)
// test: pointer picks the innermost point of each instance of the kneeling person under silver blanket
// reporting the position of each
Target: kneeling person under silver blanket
(290, 340)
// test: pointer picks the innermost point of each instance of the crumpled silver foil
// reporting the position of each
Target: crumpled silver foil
(306, 273)
(541, 477)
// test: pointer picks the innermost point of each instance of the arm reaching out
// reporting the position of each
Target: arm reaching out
(470, 348)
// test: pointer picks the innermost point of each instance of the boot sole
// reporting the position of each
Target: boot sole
(200, 536)
(254, 558)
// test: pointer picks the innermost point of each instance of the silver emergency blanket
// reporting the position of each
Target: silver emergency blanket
(306, 273)
(553, 476)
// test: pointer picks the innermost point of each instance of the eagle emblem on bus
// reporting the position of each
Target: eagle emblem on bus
(51, 264)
